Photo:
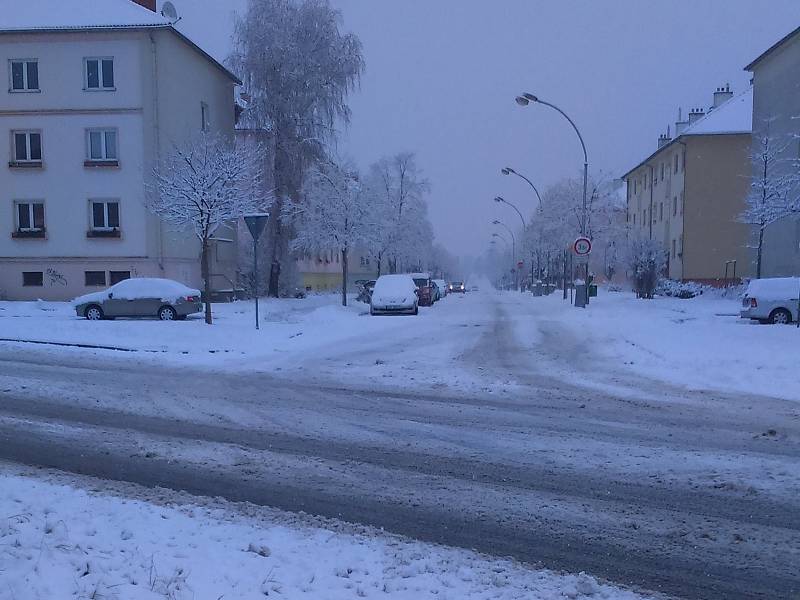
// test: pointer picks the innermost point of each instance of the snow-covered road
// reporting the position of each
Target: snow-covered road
(513, 450)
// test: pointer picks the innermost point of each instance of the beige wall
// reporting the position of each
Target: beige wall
(717, 182)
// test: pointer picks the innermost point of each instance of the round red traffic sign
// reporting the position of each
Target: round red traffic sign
(520, 264)
(582, 246)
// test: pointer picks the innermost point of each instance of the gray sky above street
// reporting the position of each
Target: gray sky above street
(442, 76)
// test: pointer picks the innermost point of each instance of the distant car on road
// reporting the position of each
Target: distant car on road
(425, 286)
(164, 299)
(394, 294)
(457, 287)
(771, 300)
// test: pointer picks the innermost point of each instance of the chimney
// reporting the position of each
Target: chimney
(722, 94)
(664, 139)
(148, 4)
(680, 124)
(696, 114)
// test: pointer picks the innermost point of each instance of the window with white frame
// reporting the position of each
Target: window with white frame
(99, 73)
(105, 215)
(29, 215)
(101, 145)
(24, 75)
(27, 146)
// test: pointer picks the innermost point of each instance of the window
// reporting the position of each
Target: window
(32, 279)
(30, 216)
(27, 147)
(101, 145)
(644, 216)
(675, 160)
(105, 215)
(95, 278)
(645, 180)
(661, 166)
(675, 204)
(661, 211)
(673, 249)
(99, 74)
(204, 116)
(24, 75)
(117, 276)
(634, 218)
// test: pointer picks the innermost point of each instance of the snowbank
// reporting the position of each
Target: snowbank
(60, 542)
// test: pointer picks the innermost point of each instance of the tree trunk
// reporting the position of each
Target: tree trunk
(206, 273)
(344, 276)
(759, 252)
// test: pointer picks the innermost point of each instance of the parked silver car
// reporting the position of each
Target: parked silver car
(140, 297)
(771, 300)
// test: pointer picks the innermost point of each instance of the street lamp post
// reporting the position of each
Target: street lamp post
(525, 100)
(513, 250)
(500, 199)
(510, 171)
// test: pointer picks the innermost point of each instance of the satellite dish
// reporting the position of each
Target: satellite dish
(168, 11)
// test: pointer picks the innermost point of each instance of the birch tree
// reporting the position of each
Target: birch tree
(298, 69)
(335, 214)
(205, 184)
(771, 185)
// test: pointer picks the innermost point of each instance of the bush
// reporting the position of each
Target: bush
(647, 260)
(678, 289)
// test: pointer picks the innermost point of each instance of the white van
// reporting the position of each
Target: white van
(771, 300)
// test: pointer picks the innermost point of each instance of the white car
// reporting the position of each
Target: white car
(394, 294)
(442, 288)
(771, 300)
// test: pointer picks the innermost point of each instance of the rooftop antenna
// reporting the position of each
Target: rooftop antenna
(168, 12)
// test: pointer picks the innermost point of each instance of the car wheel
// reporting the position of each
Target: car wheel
(416, 309)
(780, 316)
(94, 313)
(167, 313)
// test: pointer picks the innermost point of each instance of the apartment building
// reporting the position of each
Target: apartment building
(94, 98)
(689, 193)
(322, 271)
(776, 107)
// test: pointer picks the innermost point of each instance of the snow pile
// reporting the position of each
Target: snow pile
(59, 542)
(166, 290)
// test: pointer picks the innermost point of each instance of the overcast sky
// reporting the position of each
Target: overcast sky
(442, 76)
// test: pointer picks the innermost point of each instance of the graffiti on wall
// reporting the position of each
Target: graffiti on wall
(56, 277)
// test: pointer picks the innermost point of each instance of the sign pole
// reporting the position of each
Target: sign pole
(255, 223)
(255, 276)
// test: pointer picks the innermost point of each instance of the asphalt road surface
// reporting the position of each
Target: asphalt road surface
(694, 495)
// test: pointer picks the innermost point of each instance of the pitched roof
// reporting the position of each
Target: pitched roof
(734, 116)
(48, 15)
(789, 36)
(86, 15)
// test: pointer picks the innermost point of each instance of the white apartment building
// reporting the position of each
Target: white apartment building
(96, 93)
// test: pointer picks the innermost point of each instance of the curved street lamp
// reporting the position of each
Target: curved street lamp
(499, 199)
(525, 100)
(513, 238)
(510, 171)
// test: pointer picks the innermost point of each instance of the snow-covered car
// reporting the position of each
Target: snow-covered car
(771, 300)
(394, 294)
(164, 299)
(441, 288)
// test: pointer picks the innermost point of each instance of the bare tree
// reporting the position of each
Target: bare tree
(398, 189)
(298, 69)
(335, 214)
(205, 184)
(771, 186)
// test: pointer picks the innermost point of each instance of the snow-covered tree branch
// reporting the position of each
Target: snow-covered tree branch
(205, 184)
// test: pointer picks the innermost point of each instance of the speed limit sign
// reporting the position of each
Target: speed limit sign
(582, 246)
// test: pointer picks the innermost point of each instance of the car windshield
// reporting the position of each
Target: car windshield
(400, 300)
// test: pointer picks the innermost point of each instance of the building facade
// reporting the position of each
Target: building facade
(89, 109)
(689, 193)
(776, 106)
